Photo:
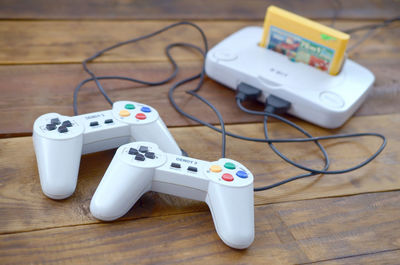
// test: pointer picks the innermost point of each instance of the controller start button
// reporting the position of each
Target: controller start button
(215, 168)
(227, 177)
(124, 113)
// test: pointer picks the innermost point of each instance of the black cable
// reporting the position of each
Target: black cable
(385, 23)
(119, 44)
(312, 171)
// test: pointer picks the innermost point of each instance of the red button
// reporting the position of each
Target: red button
(227, 177)
(140, 116)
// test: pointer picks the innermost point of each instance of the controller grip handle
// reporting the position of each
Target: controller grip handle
(58, 163)
(120, 188)
(158, 133)
(232, 209)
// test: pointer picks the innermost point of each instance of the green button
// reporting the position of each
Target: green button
(129, 106)
(229, 165)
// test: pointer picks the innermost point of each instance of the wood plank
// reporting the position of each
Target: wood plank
(181, 9)
(384, 257)
(30, 91)
(33, 42)
(286, 233)
(23, 205)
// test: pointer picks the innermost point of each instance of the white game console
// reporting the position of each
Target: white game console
(315, 96)
(225, 185)
(60, 141)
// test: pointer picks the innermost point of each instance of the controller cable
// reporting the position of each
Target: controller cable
(241, 96)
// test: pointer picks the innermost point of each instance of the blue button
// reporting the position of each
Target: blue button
(241, 174)
(145, 109)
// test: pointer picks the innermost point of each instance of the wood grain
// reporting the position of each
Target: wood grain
(23, 205)
(183, 9)
(286, 233)
(34, 42)
(30, 91)
(377, 258)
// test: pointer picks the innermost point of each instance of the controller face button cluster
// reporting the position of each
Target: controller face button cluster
(150, 155)
(229, 165)
(124, 113)
(193, 169)
(94, 123)
(140, 116)
(176, 165)
(215, 168)
(108, 121)
(129, 106)
(242, 174)
(227, 177)
(139, 157)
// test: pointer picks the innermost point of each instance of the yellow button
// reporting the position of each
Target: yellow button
(124, 113)
(215, 168)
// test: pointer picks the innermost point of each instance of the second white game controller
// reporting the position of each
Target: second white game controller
(60, 141)
(225, 185)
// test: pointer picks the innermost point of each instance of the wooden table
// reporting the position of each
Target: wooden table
(352, 218)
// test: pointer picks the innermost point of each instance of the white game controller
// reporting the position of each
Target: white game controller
(315, 96)
(60, 141)
(225, 185)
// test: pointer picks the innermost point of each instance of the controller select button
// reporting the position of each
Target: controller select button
(94, 123)
(62, 129)
(139, 157)
(55, 121)
(108, 121)
(227, 177)
(176, 165)
(215, 168)
(140, 116)
(150, 155)
(66, 123)
(129, 106)
(193, 169)
(331, 99)
(229, 165)
(133, 151)
(242, 174)
(51, 126)
(143, 149)
(145, 109)
(124, 113)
